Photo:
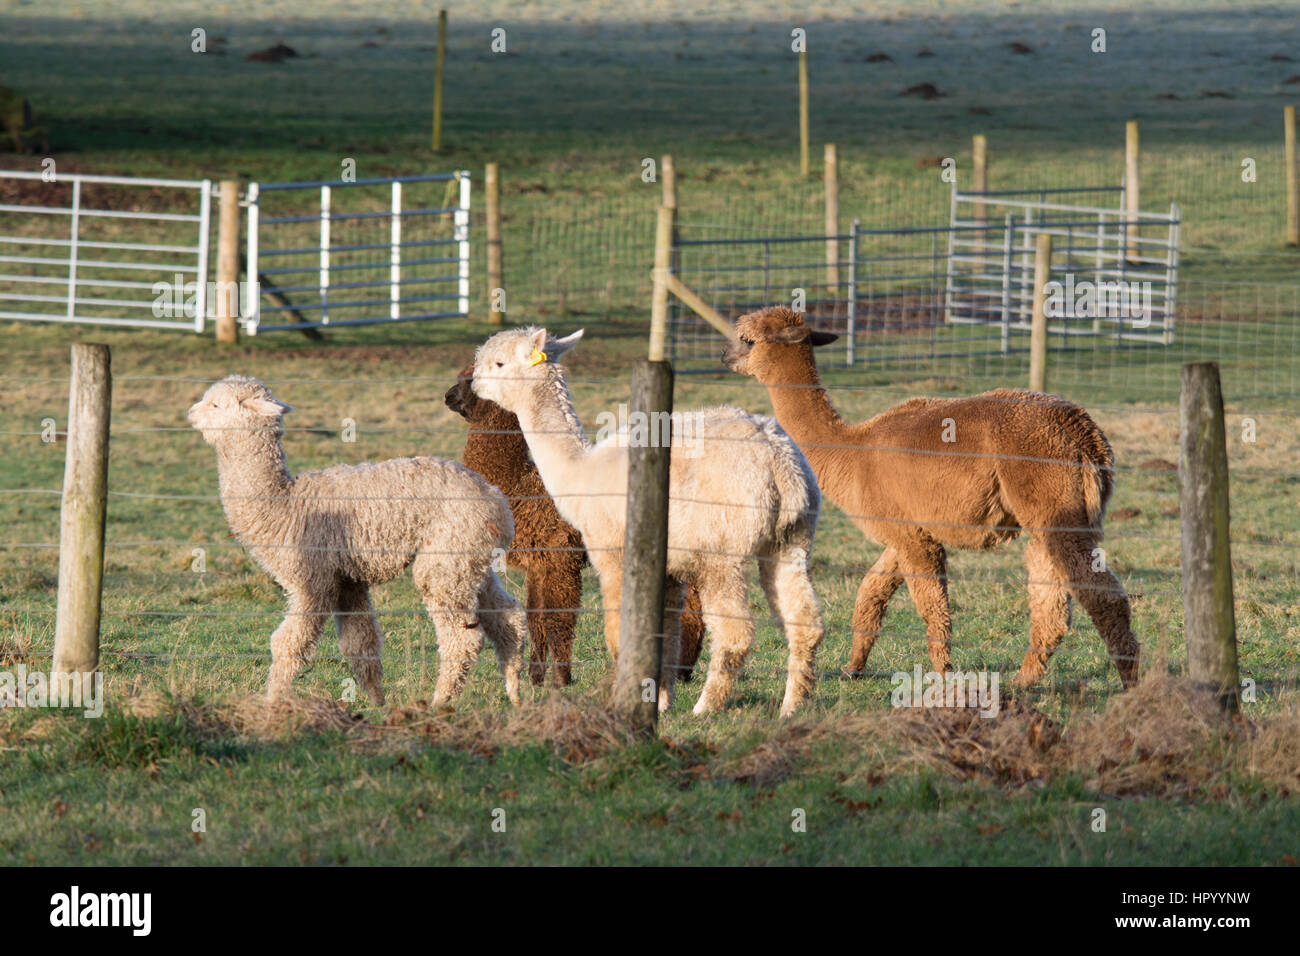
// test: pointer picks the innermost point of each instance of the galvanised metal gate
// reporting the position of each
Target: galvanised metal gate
(327, 259)
(83, 250)
(1117, 275)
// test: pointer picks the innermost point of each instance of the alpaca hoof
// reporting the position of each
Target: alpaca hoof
(665, 700)
(853, 673)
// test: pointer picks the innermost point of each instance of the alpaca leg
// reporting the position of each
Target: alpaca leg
(506, 626)
(692, 640)
(294, 641)
(610, 573)
(670, 658)
(1102, 596)
(926, 568)
(534, 580)
(790, 594)
(878, 586)
(450, 591)
(553, 603)
(723, 592)
(1049, 612)
(360, 638)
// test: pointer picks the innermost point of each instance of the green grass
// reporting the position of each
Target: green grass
(570, 119)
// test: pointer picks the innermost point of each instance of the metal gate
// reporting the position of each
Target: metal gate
(1112, 275)
(82, 250)
(327, 248)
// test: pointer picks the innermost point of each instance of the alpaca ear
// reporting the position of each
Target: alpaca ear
(822, 338)
(269, 407)
(557, 347)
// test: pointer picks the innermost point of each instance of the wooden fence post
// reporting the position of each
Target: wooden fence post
(81, 517)
(803, 111)
(437, 80)
(1132, 187)
(668, 176)
(1292, 179)
(832, 177)
(1038, 328)
(228, 304)
(659, 292)
(979, 171)
(640, 651)
(495, 264)
(645, 555)
(1207, 557)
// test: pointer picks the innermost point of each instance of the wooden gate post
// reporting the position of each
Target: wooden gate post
(1132, 188)
(1038, 327)
(832, 177)
(228, 264)
(1207, 556)
(1292, 179)
(495, 257)
(441, 56)
(81, 517)
(803, 111)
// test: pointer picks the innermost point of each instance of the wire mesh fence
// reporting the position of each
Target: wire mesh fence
(186, 606)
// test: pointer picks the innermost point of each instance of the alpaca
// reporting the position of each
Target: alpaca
(965, 473)
(546, 548)
(326, 536)
(741, 490)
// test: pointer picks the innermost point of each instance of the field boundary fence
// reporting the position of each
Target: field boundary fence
(121, 265)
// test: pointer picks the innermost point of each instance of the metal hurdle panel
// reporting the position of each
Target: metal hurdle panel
(98, 250)
(327, 246)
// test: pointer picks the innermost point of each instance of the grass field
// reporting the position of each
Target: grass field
(570, 117)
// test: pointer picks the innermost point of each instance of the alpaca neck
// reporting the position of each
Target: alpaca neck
(497, 450)
(804, 410)
(553, 431)
(252, 472)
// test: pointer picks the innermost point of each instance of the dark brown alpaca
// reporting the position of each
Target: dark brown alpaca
(964, 473)
(546, 548)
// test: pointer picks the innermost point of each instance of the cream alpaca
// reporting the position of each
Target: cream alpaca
(749, 493)
(326, 536)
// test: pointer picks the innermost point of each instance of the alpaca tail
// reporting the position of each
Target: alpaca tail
(1098, 468)
(800, 498)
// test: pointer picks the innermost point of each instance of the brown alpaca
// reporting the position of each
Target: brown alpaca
(546, 548)
(963, 473)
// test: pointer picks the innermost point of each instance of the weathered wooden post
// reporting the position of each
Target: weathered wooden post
(81, 517)
(803, 111)
(1207, 556)
(1132, 187)
(1292, 179)
(1038, 324)
(668, 177)
(979, 171)
(495, 264)
(228, 297)
(645, 551)
(832, 178)
(441, 56)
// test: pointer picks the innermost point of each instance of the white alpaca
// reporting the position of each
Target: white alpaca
(326, 536)
(744, 492)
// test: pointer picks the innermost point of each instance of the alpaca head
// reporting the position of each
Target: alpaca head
(768, 340)
(460, 398)
(506, 364)
(236, 406)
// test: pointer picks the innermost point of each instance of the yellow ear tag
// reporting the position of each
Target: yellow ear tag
(537, 358)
